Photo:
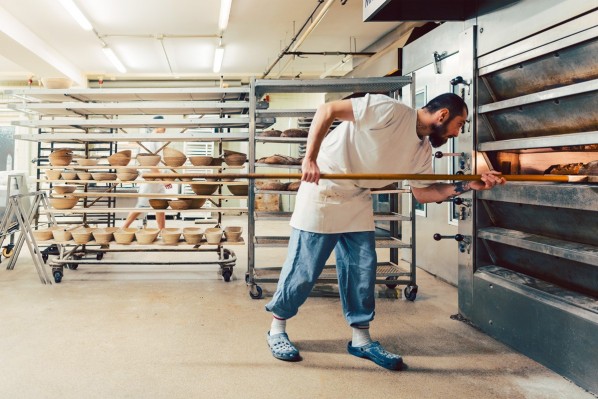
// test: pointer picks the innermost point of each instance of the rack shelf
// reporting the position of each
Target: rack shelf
(369, 85)
(79, 137)
(81, 117)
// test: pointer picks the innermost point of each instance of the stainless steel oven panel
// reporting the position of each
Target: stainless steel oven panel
(557, 68)
(520, 20)
(571, 114)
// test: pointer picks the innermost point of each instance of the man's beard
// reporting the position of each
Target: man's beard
(437, 137)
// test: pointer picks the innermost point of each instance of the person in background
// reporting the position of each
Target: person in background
(150, 188)
(379, 135)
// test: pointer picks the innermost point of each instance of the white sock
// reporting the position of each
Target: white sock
(361, 336)
(278, 326)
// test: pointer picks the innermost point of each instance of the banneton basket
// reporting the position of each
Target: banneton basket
(233, 233)
(239, 190)
(148, 159)
(67, 202)
(62, 235)
(84, 176)
(201, 160)
(105, 235)
(175, 161)
(204, 189)
(120, 158)
(158, 203)
(69, 175)
(171, 236)
(61, 157)
(87, 161)
(213, 235)
(101, 176)
(172, 153)
(197, 203)
(124, 235)
(235, 159)
(146, 236)
(192, 235)
(64, 189)
(44, 234)
(53, 174)
(82, 235)
(179, 204)
(125, 176)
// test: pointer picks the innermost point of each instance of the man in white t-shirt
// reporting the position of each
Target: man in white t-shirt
(378, 135)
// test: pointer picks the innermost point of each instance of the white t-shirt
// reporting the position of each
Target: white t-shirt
(149, 188)
(382, 139)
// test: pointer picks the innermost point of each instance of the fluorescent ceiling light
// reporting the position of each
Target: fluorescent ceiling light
(225, 6)
(218, 57)
(114, 59)
(76, 13)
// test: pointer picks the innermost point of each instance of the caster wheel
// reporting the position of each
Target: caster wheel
(57, 276)
(72, 266)
(45, 257)
(410, 292)
(246, 278)
(391, 278)
(226, 275)
(258, 293)
(7, 252)
(99, 255)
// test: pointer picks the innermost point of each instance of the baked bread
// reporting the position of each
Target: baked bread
(271, 185)
(270, 133)
(294, 186)
(564, 169)
(278, 159)
(294, 133)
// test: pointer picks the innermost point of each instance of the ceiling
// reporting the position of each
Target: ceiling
(176, 39)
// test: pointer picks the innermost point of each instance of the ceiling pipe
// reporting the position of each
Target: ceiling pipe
(300, 37)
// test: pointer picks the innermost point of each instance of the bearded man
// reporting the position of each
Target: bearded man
(379, 135)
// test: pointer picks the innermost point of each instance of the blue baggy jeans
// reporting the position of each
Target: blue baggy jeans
(355, 266)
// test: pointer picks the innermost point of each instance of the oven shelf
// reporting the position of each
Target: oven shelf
(549, 293)
(550, 246)
(547, 95)
(571, 196)
(521, 145)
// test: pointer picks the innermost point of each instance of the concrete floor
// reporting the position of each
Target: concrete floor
(181, 332)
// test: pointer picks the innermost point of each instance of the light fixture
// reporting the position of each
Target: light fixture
(218, 57)
(76, 13)
(225, 6)
(114, 59)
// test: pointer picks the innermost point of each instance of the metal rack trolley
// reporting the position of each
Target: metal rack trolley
(117, 110)
(387, 273)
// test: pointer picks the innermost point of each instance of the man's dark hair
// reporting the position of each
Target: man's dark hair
(450, 101)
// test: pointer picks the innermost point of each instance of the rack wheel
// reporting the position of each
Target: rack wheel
(44, 257)
(410, 292)
(258, 292)
(7, 252)
(226, 275)
(72, 266)
(57, 276)
(100, 255)
(391, 278)
(246, 278)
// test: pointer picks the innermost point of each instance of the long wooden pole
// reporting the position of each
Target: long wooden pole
(365, 176)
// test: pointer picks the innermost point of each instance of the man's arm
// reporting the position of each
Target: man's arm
(442, 191)
(323, 118)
